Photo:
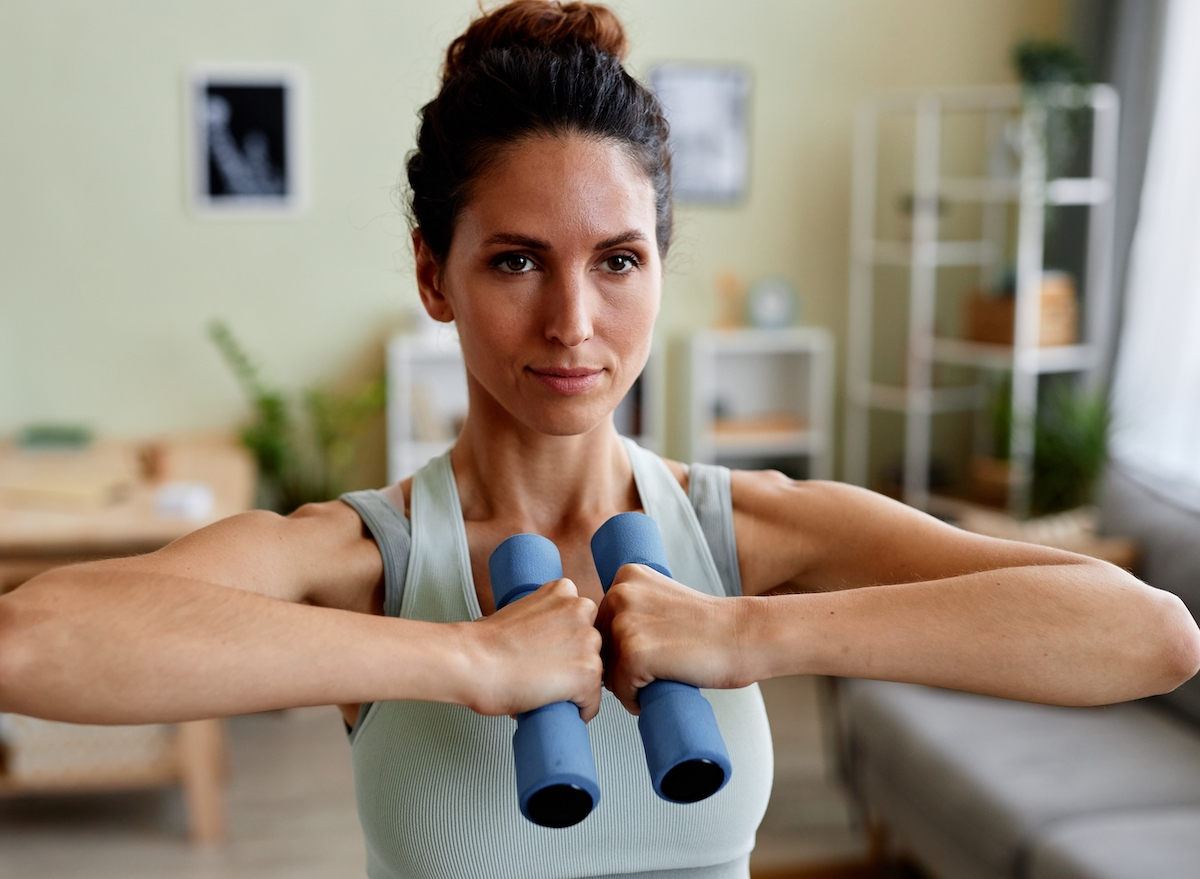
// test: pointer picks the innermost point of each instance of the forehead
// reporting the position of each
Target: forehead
(559, 187)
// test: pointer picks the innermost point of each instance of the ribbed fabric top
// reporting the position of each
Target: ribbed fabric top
(435, 783)
(712, 499)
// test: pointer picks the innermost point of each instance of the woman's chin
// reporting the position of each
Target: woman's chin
(568, 420)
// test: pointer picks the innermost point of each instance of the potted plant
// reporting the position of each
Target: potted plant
(1070, 445)
(300, 459)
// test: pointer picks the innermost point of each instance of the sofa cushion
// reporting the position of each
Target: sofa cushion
(1146, 844)
(1169, 538)
(995, 774)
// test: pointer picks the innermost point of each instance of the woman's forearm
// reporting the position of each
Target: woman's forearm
(1081, 634)
(92, 646)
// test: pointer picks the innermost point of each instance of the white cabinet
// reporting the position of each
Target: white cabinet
(762, 398)
(427, 400)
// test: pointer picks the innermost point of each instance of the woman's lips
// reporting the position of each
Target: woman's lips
(567, 381)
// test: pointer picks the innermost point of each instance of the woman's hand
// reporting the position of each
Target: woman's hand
(541, 649)
(655, 628)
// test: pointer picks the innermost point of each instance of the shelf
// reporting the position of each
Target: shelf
(939, 253)
(1059, 358)
(1007, 193)
(1078, 191)
(786, 340)
(767, 442)
(897, 398)
(758, 395)
(979, 189)
(1061, 191)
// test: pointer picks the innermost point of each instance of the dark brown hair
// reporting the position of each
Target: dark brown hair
(530, 68)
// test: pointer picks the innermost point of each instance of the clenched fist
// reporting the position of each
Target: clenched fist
(542, 649)
(657, 629)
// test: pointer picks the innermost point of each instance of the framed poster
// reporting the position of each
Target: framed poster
(707, 106)
(246, 140)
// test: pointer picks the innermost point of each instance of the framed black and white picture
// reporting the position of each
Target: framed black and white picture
(246, 140)
(707, 106)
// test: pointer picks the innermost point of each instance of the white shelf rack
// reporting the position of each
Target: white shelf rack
(749, 377)
(1007, 114)
(427, 400)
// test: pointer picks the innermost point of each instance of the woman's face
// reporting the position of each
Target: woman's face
(553, 279)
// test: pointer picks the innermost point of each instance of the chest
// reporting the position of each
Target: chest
(574, 550)
(436, 793)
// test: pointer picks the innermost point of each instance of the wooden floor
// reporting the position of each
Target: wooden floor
(292, 814)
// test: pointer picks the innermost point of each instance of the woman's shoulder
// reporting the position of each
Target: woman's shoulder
(783, 526)
(772, 496)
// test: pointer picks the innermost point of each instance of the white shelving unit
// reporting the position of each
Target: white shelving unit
(427, 400)
(762, 394)
(1007, 115)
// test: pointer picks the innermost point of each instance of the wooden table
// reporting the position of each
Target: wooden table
(62, 507)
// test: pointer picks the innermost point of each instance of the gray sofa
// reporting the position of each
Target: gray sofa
(971, 787)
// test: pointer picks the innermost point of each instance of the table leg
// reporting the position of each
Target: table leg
(202, 774)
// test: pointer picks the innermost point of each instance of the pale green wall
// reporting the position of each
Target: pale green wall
(106, 281)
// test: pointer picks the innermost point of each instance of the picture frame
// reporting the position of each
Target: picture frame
(246, 140)
(708, 109)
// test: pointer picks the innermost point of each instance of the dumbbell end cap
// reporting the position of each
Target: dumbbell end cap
(692, 781)
(559, 805)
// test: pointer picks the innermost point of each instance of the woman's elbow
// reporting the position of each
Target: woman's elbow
(1179, 641)
(17, 659)
(10, 655)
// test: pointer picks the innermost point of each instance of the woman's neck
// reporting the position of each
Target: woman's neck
(518, 480)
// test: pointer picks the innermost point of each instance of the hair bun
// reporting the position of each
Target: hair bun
(537, 23)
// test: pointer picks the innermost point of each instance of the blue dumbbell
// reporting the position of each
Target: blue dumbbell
(556, 773)
(685, 752)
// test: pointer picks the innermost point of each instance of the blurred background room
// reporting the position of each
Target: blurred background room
(949, 251)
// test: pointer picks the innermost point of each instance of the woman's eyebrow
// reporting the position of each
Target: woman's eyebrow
(517, 240)
(622, 238)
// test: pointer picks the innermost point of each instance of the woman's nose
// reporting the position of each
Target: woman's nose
(570, 302)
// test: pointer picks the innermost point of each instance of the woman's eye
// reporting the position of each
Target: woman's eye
(621, 263)
(514, 263)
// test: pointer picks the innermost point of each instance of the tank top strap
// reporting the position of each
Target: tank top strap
(390, 529)
(663, 500)
(439, 587)
(712, 498)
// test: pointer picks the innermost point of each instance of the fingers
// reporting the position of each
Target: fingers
(589, 699)
(566, 589)
(541, 649)
(584, 667)
(627, 650)
(655, 628)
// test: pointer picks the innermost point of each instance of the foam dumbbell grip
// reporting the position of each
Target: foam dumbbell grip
(685, 753)
(556, 773)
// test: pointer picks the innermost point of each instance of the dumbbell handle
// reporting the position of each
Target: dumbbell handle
(556, 773)
(685, 753)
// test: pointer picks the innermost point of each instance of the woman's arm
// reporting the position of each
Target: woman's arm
(879, 590)
(227, 621)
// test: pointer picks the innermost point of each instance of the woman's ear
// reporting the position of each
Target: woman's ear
(429, 280)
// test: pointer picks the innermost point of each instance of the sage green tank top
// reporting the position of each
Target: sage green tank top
(435, 783)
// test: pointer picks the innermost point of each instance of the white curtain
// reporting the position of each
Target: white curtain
(1156, 390)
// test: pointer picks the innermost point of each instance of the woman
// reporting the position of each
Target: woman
(540, 198)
